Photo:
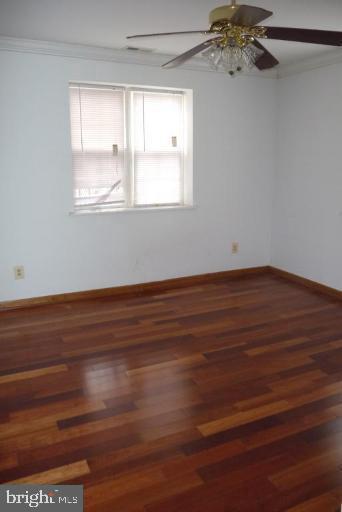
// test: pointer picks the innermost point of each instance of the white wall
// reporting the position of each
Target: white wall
(233, 169)
(307, 216)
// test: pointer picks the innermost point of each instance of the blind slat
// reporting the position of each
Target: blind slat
(97, 123)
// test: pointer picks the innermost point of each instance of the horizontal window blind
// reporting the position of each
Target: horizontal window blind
(98, 145)
(128, 146)
(157, 148)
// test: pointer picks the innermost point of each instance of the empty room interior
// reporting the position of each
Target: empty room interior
(171, 255)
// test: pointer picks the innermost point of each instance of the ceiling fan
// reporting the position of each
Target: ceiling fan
(235, 47)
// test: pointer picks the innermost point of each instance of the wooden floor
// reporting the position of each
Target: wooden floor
(220, 397)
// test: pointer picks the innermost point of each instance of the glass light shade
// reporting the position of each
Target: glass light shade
(232, 59)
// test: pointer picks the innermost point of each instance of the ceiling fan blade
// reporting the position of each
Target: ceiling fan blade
(170, 33)
(249, 16)
(304, 35)
(266, 60)
(190, 53)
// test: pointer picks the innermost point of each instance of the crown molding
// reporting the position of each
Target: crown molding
(80, 51)
(147, 58)
(309, 64)
(71, 50)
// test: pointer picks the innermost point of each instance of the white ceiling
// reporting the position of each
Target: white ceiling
(107, 22)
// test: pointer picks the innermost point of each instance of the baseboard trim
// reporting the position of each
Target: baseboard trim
(308, 283)
(168, 284)
(131, 290)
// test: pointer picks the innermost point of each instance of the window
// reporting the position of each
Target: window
(130, 147)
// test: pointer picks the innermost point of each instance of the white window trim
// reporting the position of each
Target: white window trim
(136, 209)
(129, 206)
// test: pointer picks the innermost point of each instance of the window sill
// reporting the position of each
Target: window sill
(102, 211)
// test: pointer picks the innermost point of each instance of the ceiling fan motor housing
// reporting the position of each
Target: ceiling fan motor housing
(223, 13)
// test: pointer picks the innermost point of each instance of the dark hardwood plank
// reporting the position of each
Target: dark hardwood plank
(221, 395)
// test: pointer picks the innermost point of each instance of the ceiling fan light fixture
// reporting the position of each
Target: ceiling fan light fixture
(235, 45)
(232, 58)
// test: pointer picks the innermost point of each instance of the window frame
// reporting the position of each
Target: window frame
(128, 174)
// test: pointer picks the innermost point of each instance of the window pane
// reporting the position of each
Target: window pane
(157, 147)
(97, 132)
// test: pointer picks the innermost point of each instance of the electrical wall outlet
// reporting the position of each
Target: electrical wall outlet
(19, 272)
(235, 247)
